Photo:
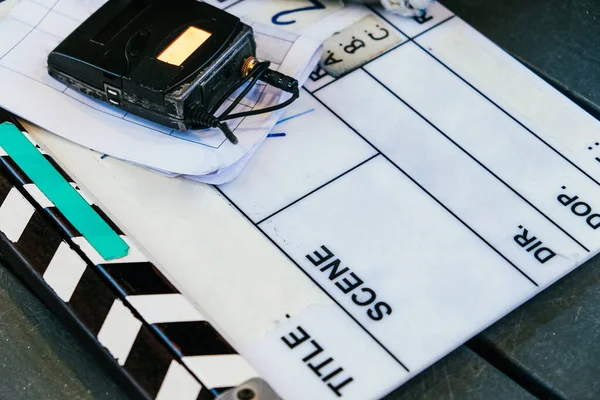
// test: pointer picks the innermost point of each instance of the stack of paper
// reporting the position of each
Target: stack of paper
(31, 29)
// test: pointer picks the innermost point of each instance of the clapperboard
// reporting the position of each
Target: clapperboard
(124, 308)
(426, 185)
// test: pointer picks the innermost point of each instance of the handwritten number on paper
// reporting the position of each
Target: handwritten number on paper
(316, 5)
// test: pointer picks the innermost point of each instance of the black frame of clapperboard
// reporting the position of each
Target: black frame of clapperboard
(141, 381)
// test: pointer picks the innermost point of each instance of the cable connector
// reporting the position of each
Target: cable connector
(252, 71)
(270, 77)
(280, 81)
(199, 116)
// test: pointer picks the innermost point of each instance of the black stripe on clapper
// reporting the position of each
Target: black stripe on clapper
(20, 178)
(196, 338)
(14, 173)
(92, 301)
(190, 338)
(138, 278)
(141, 278)
(59, 219)
(148, 361)
(5, 187)
(39, 241)
(92, 298)
(135, 279)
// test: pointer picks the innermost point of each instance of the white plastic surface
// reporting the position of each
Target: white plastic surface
(425, 175)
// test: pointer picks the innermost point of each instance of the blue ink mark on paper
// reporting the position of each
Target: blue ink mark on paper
(295, 116)
(103, 156)
(316, 5)
(279, 134)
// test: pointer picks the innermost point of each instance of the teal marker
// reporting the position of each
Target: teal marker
(70, 203)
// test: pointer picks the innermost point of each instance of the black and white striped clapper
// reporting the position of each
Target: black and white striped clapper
(159, 339)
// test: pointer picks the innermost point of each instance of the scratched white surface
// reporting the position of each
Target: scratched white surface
(427, 173)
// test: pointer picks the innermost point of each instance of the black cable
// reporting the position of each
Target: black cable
(278, 80)
(203, 118)
(286, 103)
(258, 71)
(254, 73)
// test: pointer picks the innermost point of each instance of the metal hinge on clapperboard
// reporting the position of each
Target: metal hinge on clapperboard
(122, 308)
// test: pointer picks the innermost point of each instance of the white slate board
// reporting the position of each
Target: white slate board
(425, 174)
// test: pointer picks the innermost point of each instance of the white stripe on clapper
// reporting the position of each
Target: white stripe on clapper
(37, 195)
(178, 384)
(119, 331)
(15, 213)
(161, 308)
(64, 271)
(216, 371)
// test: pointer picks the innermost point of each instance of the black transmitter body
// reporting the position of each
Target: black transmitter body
(156, 58)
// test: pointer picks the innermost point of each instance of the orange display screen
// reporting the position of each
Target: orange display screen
(181, 48)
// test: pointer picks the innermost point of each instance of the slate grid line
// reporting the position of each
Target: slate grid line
(378, 153)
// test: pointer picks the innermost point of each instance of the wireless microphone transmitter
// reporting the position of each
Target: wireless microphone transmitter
(173, 63)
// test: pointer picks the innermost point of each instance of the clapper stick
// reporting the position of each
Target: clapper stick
(162, 343)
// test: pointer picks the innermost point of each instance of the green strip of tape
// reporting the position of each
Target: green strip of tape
(70, 203)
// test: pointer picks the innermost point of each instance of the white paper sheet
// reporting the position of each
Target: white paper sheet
(420, 172)
(31, 29)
